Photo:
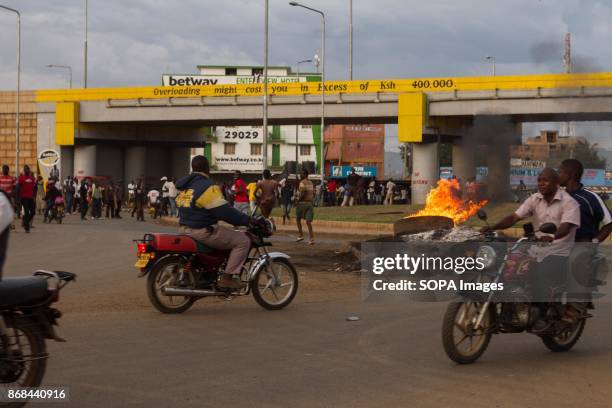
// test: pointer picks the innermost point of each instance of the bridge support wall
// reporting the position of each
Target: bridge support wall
(425, 170)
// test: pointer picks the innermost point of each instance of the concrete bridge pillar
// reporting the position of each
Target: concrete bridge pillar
(464, 160)
(135, 162)
(85, 161)
(425, 170)
(180, 162)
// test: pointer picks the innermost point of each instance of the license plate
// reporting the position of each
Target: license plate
(143, 260)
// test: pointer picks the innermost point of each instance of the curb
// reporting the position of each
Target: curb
(322, 226)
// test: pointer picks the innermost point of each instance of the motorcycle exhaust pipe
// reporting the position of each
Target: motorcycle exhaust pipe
(190, 292)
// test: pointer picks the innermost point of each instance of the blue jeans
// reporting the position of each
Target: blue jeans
(48, 206)
(173, 211)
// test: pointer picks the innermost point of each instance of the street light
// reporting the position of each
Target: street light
(492, 59)
(351, 40)
(297, 126)
(18, 85)
(85, 47)
(322, 158)
(69, 68)
(265, 101)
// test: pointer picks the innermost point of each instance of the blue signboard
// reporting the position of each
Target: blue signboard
(344, 171)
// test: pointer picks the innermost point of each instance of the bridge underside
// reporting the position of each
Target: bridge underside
(521, 106)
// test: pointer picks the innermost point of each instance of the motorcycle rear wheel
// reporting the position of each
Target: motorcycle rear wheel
(32, 352)
(566, 340)
(269, 284)
(165, 273)
(461, 316)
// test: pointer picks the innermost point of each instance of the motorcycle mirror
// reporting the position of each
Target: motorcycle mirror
(548, 228)
(482, 214)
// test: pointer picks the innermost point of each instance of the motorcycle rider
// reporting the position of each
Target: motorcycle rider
(593, 211)
(549, 205)
(201, 205)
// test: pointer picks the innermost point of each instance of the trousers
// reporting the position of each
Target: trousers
(224, 238)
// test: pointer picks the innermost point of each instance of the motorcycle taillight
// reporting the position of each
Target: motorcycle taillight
(142, 247)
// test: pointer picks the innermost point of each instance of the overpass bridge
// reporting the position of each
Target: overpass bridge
(427, 110)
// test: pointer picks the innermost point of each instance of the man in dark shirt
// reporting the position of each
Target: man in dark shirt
(201, 205)
(593, 211)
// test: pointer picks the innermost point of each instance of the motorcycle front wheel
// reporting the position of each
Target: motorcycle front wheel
(23, 357)
(462, 342)
(275, 285)
(565, 340)
(166, 273)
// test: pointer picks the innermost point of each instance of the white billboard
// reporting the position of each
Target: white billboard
(200, 80)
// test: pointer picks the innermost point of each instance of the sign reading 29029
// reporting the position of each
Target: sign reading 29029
(433, 84)
(239, 134)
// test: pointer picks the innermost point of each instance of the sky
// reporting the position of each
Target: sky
(133, 42)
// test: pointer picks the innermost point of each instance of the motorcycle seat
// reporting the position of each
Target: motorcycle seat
(22, 291)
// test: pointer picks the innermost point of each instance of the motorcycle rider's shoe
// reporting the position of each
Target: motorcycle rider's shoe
(227, 281)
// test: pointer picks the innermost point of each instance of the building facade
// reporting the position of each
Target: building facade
(356, 146)
(231, 148)
(548, 143)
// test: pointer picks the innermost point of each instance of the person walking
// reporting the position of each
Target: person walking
(69, 194)
(269, 188)
(27, 192)
(83, 198)
(331, 193)
(140, 198)
(241, 196)
(304, 208)
(252, 188)
(390, 191)
(169, 188)
(286, 194)
(131, 191)
(109, 199)
(96, 198)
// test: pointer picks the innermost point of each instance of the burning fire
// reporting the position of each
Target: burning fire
(444, 201)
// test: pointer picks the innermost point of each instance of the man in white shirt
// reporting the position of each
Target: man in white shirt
(169, 193)
(153, 197)
(390, 191)
(131, 191)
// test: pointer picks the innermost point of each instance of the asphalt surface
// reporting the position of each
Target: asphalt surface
(123, 353)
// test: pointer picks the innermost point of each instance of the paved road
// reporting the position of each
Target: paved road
(121, 352)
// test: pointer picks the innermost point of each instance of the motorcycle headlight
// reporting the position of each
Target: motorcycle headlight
(487, 255)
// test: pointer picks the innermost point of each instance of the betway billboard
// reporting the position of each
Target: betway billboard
(196, 80)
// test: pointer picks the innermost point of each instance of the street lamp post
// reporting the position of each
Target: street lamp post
(297, 126)
(265, 101)
(69, 68)
(85, 47)
(18, 85)
(351, 40)
(492, 59)
(322, 147)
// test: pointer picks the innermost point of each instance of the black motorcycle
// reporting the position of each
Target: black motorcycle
(26, 321)
(469, 324)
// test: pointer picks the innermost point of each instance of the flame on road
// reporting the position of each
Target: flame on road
(444, 200)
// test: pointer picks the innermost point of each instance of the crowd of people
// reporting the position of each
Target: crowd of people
(92, 198)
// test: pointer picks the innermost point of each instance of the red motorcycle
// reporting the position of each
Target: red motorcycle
(182, 270)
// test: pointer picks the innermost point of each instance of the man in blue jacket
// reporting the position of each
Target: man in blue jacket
(201, 205)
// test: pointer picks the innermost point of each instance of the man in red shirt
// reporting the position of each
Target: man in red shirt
(241, 196)
(331, 192)
(7, 182)
(27, 193)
